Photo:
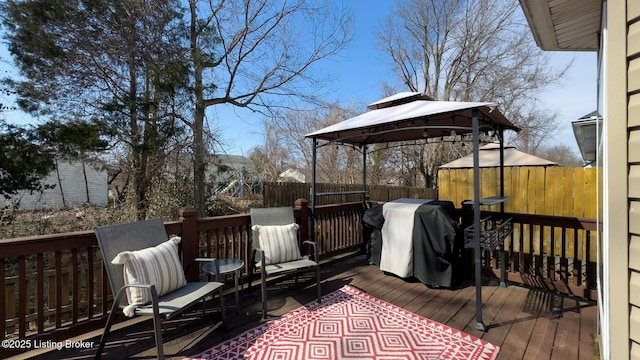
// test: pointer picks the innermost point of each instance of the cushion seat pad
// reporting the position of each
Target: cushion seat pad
(170, 304)
(291, 265)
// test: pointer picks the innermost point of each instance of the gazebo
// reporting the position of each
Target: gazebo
(416, 116)
(489, 156)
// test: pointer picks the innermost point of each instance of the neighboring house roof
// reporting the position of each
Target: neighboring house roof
(234, 161)
(292, 175)
(238, 165)
(490, 157)
(587, 130)
(569, 25)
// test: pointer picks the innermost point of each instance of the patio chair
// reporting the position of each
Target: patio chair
(276, 250)
(130, 254)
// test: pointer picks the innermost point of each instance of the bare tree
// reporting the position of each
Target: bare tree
(286, 147)
(274, 157)
(257, 54)
(471, 50)
(115, 60)
(561, 154)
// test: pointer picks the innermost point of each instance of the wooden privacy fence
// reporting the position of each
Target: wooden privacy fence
(276, 194)
(557, 191)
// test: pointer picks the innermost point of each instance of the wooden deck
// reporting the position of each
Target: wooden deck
(525, 323)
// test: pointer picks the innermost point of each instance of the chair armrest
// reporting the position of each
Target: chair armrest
(151, 287)
(315, 249)
(259, 255)
(131, 308)
(138, 286)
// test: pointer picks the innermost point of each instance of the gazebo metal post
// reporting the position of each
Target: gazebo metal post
(364, 177)
(503, 266)
(476, 217)
(314, 156)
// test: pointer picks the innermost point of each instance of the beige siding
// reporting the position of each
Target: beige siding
(635, 324)
(634, 182)
(634, 39)
(634, 108)
(633, 9)
(635, 352)
(633, 122)
(634, 146)
(634, 253)
(634, 284)
(634, 75)
(634, 217)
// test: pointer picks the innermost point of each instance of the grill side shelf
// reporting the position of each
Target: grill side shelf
(493, 231)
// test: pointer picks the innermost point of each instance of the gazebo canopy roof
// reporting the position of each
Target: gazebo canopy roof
(413, 116)
(489, 156)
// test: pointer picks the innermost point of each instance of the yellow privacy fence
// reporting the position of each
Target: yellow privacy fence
(556, 191)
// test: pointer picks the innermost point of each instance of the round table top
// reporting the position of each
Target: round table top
(225, 265)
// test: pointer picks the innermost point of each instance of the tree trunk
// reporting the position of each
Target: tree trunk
(86, 181)
(64, 201)
(199, 165)
(138, 155)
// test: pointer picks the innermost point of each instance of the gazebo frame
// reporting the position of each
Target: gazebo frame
(414, 116)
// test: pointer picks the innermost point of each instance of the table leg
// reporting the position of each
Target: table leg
(503, 268)
(235, 279)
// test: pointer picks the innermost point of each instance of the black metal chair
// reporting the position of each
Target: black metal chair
(278, 217)
(141, 235)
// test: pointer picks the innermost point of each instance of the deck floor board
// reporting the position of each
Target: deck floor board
(524, 322)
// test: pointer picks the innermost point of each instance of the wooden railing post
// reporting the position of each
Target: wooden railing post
(302, 205)
(190, 240)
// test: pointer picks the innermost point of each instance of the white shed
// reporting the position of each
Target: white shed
(70, 185)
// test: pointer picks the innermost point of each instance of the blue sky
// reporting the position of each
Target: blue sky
(359, 71)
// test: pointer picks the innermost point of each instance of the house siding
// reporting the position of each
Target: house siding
(69, 188)
(634, 109)
(633, 156)
(619, 159)
(633, 11)
(634, 75)
(634, 182)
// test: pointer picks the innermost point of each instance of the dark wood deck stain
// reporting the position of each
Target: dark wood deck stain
(525, 323)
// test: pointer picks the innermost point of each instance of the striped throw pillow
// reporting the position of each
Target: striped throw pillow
(279, 242)
(157, 265)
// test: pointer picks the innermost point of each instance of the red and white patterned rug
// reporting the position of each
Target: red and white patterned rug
(350, 324)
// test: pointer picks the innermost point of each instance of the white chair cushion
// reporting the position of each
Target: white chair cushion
(279, 242)
(159, 265)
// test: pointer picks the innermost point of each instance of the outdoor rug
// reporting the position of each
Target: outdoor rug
(350, 324)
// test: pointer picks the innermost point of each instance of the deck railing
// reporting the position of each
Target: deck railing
(555, 253)
(54, 287)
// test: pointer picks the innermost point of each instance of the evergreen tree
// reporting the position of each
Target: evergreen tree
(117, 61)
(23, 162)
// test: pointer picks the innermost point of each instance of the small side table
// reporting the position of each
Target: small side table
(220, 267)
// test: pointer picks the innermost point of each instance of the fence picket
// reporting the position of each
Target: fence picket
(553, 191)
(285, 194)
